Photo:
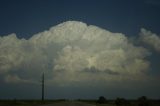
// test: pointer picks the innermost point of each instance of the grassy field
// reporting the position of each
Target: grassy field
(28, 102)
(92, 102)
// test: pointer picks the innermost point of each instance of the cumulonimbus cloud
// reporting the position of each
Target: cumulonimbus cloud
(72, 52)
(151, 39)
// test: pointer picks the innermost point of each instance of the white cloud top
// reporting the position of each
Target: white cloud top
(150, 39)
(73, 52)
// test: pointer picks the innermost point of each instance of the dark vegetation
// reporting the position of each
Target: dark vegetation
(101, 101)
(16, 102)
(122, 101)
(141, 101)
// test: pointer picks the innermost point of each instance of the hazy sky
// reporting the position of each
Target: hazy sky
(86, 48)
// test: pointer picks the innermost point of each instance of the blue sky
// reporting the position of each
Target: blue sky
(26, 18)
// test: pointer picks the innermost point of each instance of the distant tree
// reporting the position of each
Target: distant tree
(102, 100)
(121, 102)
(143, 101)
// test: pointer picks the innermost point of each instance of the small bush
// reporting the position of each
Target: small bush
(121, 101)
(102, 100)
(143, 101)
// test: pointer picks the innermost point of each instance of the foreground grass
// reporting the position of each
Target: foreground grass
(94, 102)
(129, 103)
(28, 102)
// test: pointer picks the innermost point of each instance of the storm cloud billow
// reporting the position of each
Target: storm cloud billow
(150, 38)
(74, 53)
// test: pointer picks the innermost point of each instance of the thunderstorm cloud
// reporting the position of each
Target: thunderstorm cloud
(151, 39)
(74, 52)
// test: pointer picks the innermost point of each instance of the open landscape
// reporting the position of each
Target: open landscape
(80, 102)
(79, 52)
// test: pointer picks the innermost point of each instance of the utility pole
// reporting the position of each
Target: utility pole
(43, 87)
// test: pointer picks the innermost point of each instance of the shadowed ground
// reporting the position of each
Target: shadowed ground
(75, 103)
(70, 103)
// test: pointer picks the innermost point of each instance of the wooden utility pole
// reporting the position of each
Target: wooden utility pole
(43, 87)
